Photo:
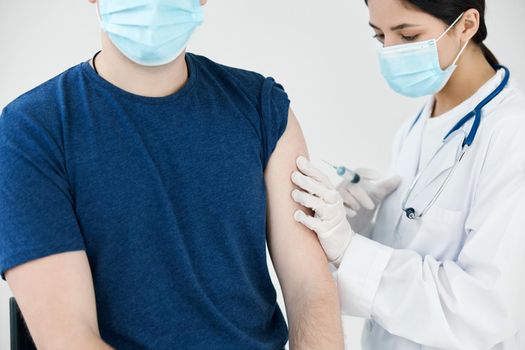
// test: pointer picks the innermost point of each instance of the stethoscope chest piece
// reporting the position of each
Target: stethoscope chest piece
(410, 213)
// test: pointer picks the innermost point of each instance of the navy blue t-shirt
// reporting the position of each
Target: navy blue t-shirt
(166, 195)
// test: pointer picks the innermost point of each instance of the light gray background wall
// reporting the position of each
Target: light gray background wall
(321, 51)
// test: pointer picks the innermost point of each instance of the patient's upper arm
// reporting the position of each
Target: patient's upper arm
(295, 250)
(54, 289)
(56, 297)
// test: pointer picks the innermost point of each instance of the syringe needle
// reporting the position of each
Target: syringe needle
(333, 166)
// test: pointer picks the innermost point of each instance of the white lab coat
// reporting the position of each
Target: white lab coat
(454, 279)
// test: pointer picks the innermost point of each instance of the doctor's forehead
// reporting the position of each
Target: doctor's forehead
(391, 14)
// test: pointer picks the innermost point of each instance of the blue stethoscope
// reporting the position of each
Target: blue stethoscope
(411, 212)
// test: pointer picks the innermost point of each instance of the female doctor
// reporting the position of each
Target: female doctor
(441, 265)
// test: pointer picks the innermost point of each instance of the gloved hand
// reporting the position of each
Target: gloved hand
(330, 222)
(362, 199)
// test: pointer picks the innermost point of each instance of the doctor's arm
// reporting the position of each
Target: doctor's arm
(309, 291)
(474, 302)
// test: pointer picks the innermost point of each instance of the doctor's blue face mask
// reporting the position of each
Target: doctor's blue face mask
(150, 32)
(413, 70)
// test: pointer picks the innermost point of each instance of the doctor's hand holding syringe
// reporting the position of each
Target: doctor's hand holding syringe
(362, 192)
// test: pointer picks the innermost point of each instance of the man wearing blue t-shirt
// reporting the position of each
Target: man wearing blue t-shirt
(138, 191)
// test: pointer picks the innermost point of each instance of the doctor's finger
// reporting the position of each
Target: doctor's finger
(307, 220)
(312, 202)
(343, 185)
(350, 200)
(323, 210)
(362, 197)
(307, 168)
(350, 213)
(311, 185)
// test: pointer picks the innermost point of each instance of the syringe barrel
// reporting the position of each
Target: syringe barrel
(351, 175)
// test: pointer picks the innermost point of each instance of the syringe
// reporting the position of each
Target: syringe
(346, 173)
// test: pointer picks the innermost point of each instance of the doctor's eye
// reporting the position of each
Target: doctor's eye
(379, 37)
(409, 38)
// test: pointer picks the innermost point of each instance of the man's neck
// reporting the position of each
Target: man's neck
(158, 81)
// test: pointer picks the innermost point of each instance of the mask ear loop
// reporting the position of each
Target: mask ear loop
(446, 31)
(460, 53)
(450, 27)
(98, 12)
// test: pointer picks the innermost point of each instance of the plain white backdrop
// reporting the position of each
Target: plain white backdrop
(321, 51)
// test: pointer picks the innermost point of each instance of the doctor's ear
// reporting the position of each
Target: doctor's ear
(92, 1)
(469, 24)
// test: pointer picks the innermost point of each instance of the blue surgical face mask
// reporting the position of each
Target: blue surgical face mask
(150, 32)
(413, 69)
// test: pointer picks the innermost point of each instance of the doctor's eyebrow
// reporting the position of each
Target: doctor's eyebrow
(398, 27)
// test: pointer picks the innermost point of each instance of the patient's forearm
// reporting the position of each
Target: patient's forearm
(315, 321)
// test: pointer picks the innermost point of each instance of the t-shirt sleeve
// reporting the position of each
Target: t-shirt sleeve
(275, 105)
(37, 217)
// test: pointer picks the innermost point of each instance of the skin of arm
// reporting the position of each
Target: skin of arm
(57, 298)
(310, 294)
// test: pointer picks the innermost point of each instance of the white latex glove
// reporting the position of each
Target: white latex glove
(329, 223)
(362, 199)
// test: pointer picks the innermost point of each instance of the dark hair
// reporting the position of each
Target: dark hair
(449, 10)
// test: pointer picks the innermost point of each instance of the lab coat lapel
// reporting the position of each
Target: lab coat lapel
(409, 155)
